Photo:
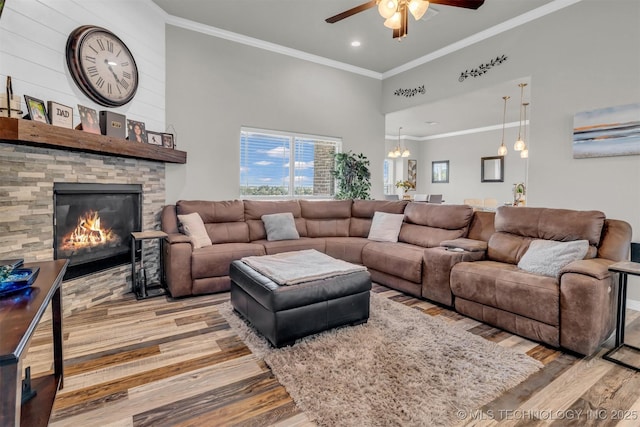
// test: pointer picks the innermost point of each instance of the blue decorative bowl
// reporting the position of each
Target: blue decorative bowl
(19, 279)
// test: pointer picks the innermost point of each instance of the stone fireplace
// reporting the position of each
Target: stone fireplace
(92, 225)
(27, 178)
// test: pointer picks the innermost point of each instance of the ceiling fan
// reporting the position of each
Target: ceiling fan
(396, 12)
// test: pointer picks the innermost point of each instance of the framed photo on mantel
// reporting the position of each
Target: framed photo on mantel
(88, 120)
(60, 115)
(154, 138)
(137, 131)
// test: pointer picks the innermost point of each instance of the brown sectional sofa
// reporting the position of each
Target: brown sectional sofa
(481, 280)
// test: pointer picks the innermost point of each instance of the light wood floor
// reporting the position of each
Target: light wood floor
(176, 362)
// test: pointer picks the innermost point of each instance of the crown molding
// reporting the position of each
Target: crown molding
(483, 35)
(458, 132)
(272, 47)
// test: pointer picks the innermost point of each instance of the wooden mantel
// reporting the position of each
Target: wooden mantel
(28, 132)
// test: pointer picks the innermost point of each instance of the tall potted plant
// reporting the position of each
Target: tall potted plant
(352, 175)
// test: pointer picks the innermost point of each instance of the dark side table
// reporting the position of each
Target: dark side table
(20, 314)
(141, 288)
(624, 269)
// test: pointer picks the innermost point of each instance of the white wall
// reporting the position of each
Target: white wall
(215, 86)
(580, 58)
(33, 37)
(577, 61)
(464, 166)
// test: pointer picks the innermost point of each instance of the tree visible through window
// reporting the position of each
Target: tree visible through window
(282, 164)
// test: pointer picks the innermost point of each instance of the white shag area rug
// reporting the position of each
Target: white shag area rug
(402, 368)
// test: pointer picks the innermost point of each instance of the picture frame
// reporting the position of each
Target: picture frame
(440, 172)
(136, 131)
(492, 169)
(154, 138)
(88, 120)
(412, 172)
(60, 115)
(607, 132)
(167, 140)
(36, 109)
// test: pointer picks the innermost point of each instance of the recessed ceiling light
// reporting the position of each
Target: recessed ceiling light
(355, 43)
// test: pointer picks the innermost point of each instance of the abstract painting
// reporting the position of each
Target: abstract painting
(412, 172)
(612, 131)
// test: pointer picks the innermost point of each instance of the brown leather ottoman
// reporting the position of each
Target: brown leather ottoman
(285, 313)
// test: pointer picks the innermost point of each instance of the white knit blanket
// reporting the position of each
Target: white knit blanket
(291, 268)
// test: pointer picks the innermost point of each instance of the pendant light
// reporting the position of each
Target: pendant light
(519, 145)
(525, 151)
(502, 151)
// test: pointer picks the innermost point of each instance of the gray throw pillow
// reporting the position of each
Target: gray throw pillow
(385, 227)
(280, 226)
(548, 257)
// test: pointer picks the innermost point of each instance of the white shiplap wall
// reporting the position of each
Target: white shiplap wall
(33, 36)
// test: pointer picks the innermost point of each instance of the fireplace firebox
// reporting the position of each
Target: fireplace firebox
(92, 225)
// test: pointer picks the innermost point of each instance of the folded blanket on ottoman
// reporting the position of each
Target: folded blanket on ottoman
(290, 268)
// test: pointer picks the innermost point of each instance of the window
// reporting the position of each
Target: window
(388, 174)
(282, 164)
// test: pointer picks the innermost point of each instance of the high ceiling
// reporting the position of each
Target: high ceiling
(300, 25)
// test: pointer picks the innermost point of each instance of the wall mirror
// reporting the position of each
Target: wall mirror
(492, 169)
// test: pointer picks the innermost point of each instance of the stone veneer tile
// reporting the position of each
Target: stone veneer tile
(27, 175)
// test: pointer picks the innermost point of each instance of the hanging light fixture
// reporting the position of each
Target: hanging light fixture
(525, 151)
(396, 14)
(397, 151)
(519, 145)
(502, 151)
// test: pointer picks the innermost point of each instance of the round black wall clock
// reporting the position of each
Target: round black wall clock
(102, 66)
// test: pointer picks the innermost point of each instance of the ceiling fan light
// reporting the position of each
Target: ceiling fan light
(386, 8)
(418, 8)
(519, 145)
(394, 22)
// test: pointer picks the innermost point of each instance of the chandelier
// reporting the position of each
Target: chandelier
(398, 151)
(395, 13)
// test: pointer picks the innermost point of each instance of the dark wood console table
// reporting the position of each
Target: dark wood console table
(19, 316)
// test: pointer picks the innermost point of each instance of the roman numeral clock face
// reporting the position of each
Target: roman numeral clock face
(102, 66)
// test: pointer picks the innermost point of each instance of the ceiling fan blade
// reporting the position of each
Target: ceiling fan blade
(468, 4)
(350, 12)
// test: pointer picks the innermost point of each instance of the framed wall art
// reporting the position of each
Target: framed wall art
(611, 131)
(36, 109)
(492, 169)
(440, 171)
(412, 172)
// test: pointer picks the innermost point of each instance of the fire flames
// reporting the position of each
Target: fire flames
(88, 233)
